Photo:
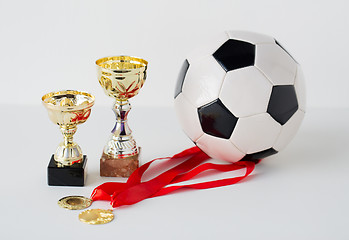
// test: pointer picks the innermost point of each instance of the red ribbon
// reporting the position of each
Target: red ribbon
(134, 190)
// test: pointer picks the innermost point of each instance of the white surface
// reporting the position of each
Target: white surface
(188, 117)
(203, 81)
(255, 133)
(206, 47)
(300, 88)
(219, 148)
(246, 92)
(289, 130)
(276, 64)
(251, 37)
(300, 193)
(51, 45)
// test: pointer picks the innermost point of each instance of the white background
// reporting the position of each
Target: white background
(300, 193)
(49, 45)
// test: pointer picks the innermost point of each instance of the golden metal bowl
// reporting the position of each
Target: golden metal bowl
(121, 76)
(67, 109)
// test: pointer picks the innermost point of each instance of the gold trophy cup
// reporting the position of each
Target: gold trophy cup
(67, 109)
(121, 78)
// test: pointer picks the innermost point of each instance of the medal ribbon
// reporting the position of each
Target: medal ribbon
(134, 190)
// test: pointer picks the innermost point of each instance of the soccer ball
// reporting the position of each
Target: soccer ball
(240, 95)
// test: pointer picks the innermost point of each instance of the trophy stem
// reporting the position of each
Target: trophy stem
(68, 133)
(121, 109)
(121, 143)
(120, 155)
(68, 152)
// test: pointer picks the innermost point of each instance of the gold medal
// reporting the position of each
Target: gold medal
(96, 216)
(74, 202)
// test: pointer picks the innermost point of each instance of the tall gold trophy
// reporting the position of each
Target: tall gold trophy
(67, 109)
(121, 78)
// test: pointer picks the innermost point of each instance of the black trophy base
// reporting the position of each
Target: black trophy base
(74, 175)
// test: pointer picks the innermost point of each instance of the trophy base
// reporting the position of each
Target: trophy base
(118, 167)
(74, 175)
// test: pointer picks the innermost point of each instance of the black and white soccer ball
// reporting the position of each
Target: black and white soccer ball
(241, 94)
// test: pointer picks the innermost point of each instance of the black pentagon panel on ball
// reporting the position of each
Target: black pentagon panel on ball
(181, 77)
(260, 155)
(216, 119)
(277, 43)
(235, 54)
(282, 103)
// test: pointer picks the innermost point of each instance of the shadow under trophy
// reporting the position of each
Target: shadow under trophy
(121, 78)
(67, 109)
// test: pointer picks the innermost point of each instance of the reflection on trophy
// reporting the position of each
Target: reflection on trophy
(121, 78)
(67, 109)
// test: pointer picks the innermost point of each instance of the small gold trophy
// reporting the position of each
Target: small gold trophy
(121, 78)
(67, 109)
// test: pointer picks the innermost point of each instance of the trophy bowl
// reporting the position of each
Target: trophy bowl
(121, 77)
(67, 109)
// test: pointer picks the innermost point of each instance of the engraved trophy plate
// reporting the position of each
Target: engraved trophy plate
(121, 77)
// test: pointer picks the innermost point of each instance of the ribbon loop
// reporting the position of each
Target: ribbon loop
(134, 190)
